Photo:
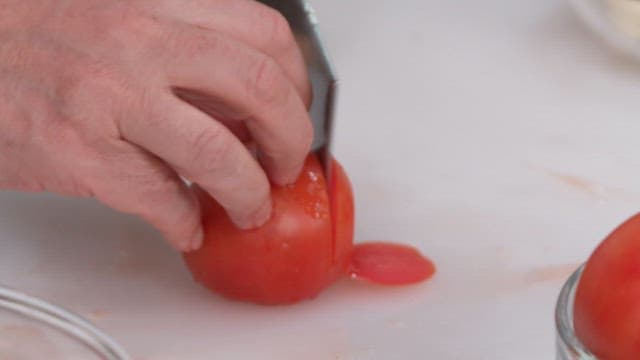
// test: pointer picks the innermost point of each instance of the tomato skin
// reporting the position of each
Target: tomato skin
(607, 302)
(290, 258)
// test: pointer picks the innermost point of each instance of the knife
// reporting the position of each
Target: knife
(304, 25)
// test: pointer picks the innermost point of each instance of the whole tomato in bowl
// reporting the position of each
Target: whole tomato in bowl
(606, 310)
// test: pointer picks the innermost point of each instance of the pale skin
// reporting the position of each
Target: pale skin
(118, 100)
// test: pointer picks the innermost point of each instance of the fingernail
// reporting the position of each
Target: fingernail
(263, 214)
(280, 175)
(288, 178)
(257, 219)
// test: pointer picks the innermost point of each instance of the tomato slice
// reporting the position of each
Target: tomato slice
(389, 264)
(342, 218)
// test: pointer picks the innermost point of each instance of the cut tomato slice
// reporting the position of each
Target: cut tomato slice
(389, 264)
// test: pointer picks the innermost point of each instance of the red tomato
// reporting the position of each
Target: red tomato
(607, 303)
(293, 256)
(390, 264)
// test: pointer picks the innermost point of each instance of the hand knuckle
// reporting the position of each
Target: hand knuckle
(120, 22)
(91, 80)
(190, 44)
(267, 84)
(278, 32)
(211, 149)
(126, 21)
(102, 74)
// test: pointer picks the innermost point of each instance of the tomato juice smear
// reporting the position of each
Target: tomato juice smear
(389, 264)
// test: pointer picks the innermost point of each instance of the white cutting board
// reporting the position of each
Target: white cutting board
(499, 137)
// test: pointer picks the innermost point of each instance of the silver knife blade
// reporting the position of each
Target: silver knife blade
(324, 82)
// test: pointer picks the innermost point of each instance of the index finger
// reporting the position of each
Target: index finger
(251, 87)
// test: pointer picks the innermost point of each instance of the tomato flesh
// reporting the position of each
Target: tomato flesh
(607, 302)
(390, 264)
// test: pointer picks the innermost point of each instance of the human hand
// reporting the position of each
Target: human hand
(118, 99)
